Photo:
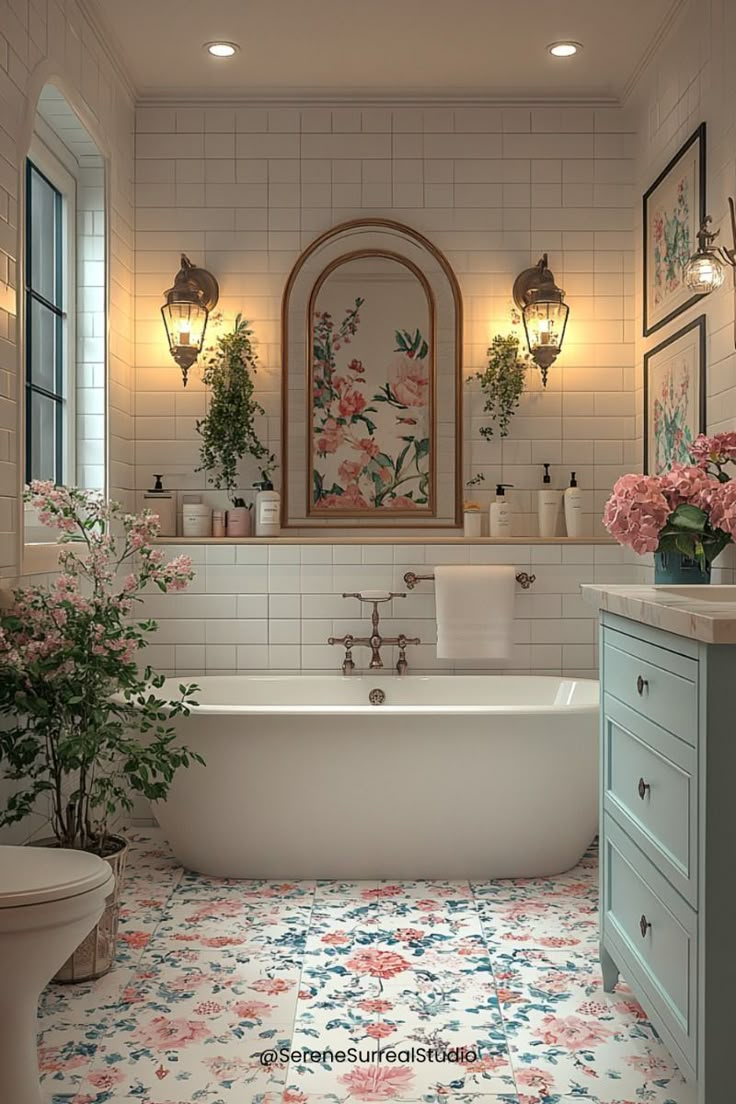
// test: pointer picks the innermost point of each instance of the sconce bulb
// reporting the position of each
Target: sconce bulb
(704, 272)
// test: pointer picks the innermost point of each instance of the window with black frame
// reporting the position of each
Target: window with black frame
(45, 375)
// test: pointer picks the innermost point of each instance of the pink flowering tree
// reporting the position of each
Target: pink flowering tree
(87, 728)
(690, 509)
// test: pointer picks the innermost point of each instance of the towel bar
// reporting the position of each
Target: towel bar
(524, 579)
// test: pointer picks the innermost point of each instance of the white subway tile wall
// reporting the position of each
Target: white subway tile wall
(272, 607)
(243, 190)
(688, 81)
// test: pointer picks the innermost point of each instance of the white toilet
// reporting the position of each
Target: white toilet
(50, 898)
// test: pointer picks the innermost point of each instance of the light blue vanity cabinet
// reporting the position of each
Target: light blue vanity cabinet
(668, 839)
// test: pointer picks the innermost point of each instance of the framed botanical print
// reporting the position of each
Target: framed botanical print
(372, 383)
(674, 397)
(674, 208)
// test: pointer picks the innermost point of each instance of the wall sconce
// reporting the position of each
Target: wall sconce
(544, 313)
(704, 271)
(186, 310)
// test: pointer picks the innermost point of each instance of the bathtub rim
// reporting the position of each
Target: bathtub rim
(203, 709)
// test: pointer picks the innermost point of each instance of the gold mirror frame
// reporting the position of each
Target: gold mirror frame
(352, 519)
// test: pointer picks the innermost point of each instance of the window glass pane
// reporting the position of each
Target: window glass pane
(43, 349)
(43, 437)
(43, 230)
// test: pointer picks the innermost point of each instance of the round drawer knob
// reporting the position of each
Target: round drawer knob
(643, 788)
(641, 683)
(644, 926)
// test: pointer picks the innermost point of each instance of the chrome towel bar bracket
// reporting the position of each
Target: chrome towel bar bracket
(524, 579)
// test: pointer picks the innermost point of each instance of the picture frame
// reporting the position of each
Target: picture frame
(674, 208)
(674, 397)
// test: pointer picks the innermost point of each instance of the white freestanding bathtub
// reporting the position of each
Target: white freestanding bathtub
(479, 776)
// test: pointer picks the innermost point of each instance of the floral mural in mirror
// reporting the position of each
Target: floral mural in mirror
(371, 385)
(371, 399)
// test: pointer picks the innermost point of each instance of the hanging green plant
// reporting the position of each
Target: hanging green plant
(502, 383)
(228, 430)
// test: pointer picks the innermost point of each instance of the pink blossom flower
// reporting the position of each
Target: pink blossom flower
(331, 437)
(370, 1083)
(637, 511)
(690, 484)
(376, 1005)
(376, 963)
(351, 403)
(352, 496)
(272, 986)
(573, 1032)
(368, 447)
(380, 1030)
(335, 938)
(349, 470)
(252, 1009)
(719, 449)
(172, 1034)
(409, 380)
(723, 508)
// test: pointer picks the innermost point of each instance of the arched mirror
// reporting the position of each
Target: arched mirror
(372, 382)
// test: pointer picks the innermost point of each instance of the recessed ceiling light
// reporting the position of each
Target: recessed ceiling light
(564, 49)
(222, 49)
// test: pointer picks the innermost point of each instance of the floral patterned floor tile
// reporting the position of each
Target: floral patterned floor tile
(570, 1038)
(198, 885)
(227, 921)
(379, 1087)
(257, 990)
(541, 923)
(65, 1054)
(165, 1058)
(334, 1050)
(212, 972)
(76, 1004)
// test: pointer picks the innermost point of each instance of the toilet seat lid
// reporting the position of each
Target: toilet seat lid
(35, 875)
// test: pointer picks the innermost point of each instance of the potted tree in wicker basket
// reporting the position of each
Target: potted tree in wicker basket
(85, 727)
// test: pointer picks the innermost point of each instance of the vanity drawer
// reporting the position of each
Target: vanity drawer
(652, 935)
(649, 786)
(659, 684)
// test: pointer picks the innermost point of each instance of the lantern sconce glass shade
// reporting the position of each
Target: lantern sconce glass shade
(544, 314)
(186, 310)
(704, 272)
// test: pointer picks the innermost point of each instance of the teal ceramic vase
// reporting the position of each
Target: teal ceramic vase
(676, 570)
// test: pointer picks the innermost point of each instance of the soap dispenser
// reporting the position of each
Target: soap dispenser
(268, 509)
(500, 513)
(162, 502)
(548, 506)
(573, 508)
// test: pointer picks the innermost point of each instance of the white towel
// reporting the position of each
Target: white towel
(475, 611)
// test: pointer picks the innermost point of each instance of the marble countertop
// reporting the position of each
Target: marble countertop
(706, 613)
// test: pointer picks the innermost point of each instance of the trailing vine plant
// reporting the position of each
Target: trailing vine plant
(228, 430)
(502, 383)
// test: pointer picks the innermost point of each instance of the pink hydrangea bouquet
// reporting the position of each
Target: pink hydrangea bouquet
(86, 726)
(690, 510)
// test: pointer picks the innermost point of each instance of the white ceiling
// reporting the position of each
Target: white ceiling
(380, 48)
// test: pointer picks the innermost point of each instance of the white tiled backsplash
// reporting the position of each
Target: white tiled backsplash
(272, 607)
(244, 189)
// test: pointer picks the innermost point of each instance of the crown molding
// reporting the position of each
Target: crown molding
(677, 7)
(295, 98)
(110, 48)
